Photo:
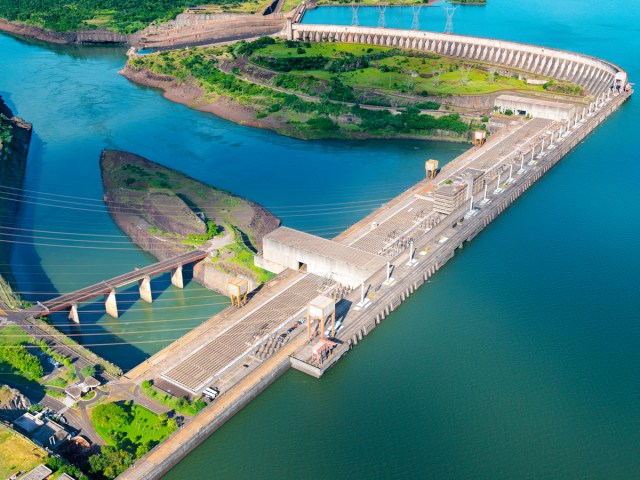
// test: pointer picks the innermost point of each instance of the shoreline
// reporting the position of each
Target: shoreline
(80, 37)
(193, 97)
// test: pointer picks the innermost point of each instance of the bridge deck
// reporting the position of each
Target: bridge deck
(104, 287)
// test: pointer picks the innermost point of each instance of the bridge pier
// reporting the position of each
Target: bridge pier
(110, 303)
(73, 313)
(176, 277)
(144, 286)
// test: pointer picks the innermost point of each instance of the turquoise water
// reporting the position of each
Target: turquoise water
(79, 105)
(518, 360)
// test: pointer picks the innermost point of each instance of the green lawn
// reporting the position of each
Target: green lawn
(324, 49)
(176, 403)
(142, 427)
(407, 71)
(14, 335)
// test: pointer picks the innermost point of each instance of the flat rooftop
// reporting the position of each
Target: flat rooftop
(327, 248)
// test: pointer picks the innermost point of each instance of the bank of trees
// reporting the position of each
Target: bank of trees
(24, 362)
(124, 16)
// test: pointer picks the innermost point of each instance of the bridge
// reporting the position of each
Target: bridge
(108, 287)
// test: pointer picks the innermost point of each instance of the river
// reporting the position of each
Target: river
(518, 360)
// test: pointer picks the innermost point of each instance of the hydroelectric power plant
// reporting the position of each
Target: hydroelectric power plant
(330, 294)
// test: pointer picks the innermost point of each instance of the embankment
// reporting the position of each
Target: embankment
(15, 136)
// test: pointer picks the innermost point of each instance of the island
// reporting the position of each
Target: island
(167, 213)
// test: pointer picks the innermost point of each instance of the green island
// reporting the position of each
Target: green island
(167, 213)
(336, 90)
(130, 431)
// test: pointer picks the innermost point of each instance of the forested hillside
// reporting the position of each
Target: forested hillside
(123, 16)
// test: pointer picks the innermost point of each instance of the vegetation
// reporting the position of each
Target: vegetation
(124, 16)
(53, 354)
(131, 430)
(59, 466)
(213, 230)
(178, 404)
(27, 364)
(345, 80)
(18, 453)
(88, 371)
(332, 116)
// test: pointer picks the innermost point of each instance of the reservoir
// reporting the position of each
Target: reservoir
(518, 360)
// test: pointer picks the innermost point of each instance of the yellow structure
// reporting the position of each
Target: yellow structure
(238, 290)
(321, 308)
(431, 166)
(479, 137)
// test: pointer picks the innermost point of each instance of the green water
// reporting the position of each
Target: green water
(519, 359)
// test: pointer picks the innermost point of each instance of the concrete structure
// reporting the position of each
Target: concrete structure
(400, 213)
(287, 248)
(238, 290)
(42, 430)
(536, 107)
(39, 473)
(321, 308)
(108, 287)
(595, 75)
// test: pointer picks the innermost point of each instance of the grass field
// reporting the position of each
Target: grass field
(14, 335)
(406, 71)
(18, 453)
(143, 427)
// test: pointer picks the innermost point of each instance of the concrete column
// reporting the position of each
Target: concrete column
(144, 285)
(176, 277)
(333, 324)
(110, 304)
(73, 313)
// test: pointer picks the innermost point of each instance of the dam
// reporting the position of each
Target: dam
(375, 265)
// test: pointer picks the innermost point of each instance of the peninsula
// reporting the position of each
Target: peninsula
(311, 90)
(168, 213)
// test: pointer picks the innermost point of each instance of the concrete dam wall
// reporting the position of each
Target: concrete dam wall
(591, 73)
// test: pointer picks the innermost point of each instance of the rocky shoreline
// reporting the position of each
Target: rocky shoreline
(82, 37)
(13, 162)
(192, 96)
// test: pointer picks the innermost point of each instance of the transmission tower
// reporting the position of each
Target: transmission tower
(381, 21)
(415, 24)
(449, 10)
(464, 72)
(436, 78)
(354, 15)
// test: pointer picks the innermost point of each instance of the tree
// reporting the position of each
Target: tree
(110, 462)
(88, 371)
(110, 415)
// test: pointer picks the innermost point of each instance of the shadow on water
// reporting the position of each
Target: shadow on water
(118, 343)
(72, 50)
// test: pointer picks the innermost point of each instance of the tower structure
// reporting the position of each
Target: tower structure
(415, 23)
(381, 20)
(354, 15)
(449, 10)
